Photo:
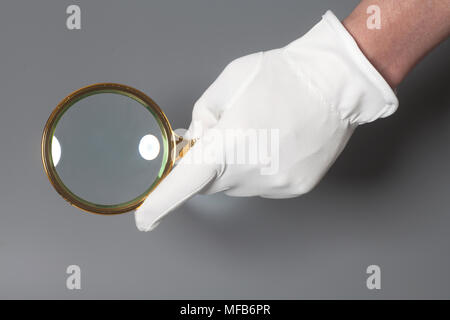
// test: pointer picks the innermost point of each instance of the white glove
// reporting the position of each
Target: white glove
(307, 97)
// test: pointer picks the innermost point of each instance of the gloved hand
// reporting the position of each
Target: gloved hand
(309, 95)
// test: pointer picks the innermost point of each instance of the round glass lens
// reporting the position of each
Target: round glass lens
(108, 149)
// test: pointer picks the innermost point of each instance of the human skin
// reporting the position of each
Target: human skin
(409, 30)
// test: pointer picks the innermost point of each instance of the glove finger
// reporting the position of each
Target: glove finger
(187, 178)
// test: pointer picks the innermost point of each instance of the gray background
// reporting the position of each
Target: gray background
(386, 201)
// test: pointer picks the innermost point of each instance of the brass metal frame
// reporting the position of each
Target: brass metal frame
(171, 141)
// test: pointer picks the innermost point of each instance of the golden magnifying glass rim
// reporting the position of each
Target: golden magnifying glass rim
(57, 113)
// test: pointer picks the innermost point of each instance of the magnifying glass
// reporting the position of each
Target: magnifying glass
(106, 146)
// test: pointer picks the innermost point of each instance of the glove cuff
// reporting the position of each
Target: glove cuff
(332, 63)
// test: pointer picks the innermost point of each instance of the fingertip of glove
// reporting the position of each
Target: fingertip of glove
(143, 224)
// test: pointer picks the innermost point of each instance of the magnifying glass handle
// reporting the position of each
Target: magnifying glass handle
(182, 146)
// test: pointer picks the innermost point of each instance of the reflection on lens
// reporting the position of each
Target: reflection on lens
(56, 151)
(149, 147)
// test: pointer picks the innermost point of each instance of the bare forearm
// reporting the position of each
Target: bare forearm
(409, 30)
